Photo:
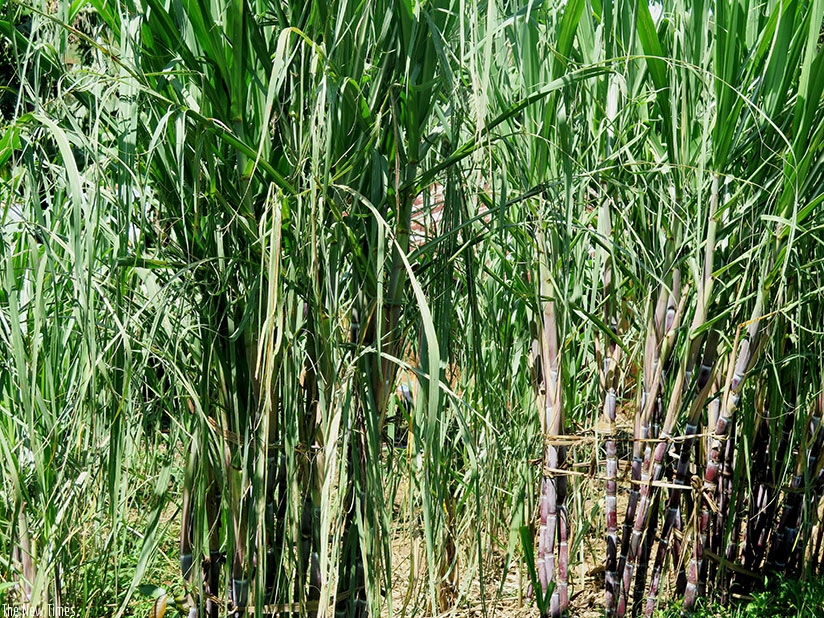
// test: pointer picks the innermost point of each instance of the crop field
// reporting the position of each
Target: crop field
(416, 308)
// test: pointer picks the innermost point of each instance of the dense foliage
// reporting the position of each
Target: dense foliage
(307, 281)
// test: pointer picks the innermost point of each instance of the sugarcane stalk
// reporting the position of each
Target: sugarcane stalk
(216, 557)
(731, 552)
(718, 528)
(761, 457)
(608, 355)
(641, 434)
(644, 554)
(652, 468)
(649, 492)
(553, 486)
(611, 582)
(682, 470)
(725, 489)
(788, 528)
(309, 433)
(24, 556)
(731, 396)
(606, 359)
(764, 502)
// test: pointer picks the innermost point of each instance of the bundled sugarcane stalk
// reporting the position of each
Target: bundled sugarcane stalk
(730, 397)
(553, 481)
(679, 390)
(649, 469)
(608, 356)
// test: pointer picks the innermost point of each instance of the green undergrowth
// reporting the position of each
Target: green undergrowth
(780, 598)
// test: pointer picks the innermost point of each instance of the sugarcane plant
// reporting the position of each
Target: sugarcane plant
(230, 230)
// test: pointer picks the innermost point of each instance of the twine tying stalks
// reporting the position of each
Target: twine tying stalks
(555, 472)
(696, 482)
(575, 440)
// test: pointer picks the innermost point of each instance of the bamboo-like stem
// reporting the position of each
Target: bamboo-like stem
(644, 554)
(731, 551)
(718, 528)
(609, 373)
(553, 488)
(653, 463)
(641, 433)
(216, 557)
(731, 395)
(608, 355)
(24, 554)
(788, 528)
(763, 501)
(682, 471)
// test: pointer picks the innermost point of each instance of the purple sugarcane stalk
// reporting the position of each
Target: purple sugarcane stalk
(641, 433)
(731, 551)
(611, 574)
(761, 457)
(608, 356)
(553, 487)
(669, 524)
(788, 527)
(644, 555)
(681, 479)
(704, 386)
(653, 463)
(722, 500)
(703, 383)
(765, 503)
(561, 586)
(642, 525)
(731, 546)
(731, 395)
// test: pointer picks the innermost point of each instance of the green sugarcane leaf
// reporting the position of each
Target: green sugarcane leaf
(654, 58)
(566, 34)
(776, 38)
(9, 143)
(652, 46)
(602, 327)
(104, 10)
(151, 591)
(528, 549)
